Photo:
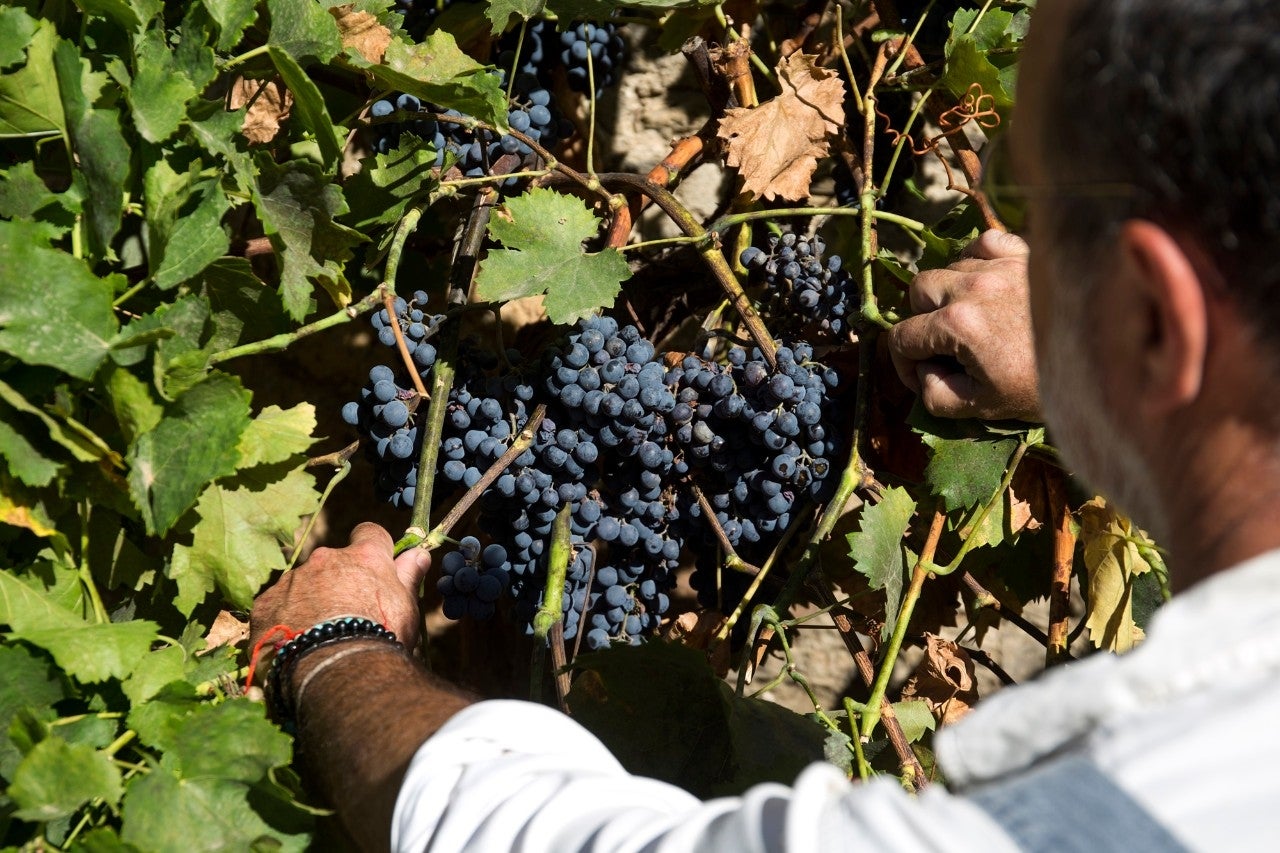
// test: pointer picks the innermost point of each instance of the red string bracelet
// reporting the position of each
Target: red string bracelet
(286, 633)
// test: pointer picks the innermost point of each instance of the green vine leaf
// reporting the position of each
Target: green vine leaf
(87, 651)
(304, 30)
(232, 17)
(877, 548)
(439, 72)
(29, 99)
(277, 435)
(543, 232)
(310, 105)
(23, 195)
(53, 309)
(499, 12)
(159, 90)
(969, 57)
(915, 718)
(388, 183)
(298, 206)
(57, 778)
(196, 241)
(30, 681)
(102, 153)
(16, 30)
(236, 544)
(192, 445)
(965, 472)
(23, 459)
(214, 755)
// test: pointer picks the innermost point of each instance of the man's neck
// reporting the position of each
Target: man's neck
(1224, 505)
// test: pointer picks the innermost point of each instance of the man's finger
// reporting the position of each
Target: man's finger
(946, 392)
(932, 289)
(373, 540)
(924, 336)
(993, 245)
(412, 566)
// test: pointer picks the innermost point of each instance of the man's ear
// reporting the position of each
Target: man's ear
(1172, 354)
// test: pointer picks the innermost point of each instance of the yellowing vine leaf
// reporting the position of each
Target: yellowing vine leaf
(361, 31)
(776, 146)
(1112, 559)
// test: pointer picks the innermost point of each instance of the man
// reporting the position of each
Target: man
(1147, 141)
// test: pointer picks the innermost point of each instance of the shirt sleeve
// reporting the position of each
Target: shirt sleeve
(505, 775)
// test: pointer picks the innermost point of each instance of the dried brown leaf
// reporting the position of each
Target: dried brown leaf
(698, 631)
(362, 31)
(226, 630)
(776, 146)
(269, 105)
(945, 680)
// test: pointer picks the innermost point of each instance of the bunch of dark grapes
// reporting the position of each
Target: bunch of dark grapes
(757, 441)
(623, 439)
(387, 406)
(821, 292)
(608, 52)
(476, 152)
(544, 52)
(472, 580)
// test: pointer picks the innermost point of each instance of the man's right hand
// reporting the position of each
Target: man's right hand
(968, 351)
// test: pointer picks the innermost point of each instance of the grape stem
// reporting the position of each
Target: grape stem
(549, 613)
(574, 175)
(441, 531)
(731, 558)
(280, 342)
(341, 474)
(442, 372)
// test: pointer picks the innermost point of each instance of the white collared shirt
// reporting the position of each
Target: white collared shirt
(1184, 724)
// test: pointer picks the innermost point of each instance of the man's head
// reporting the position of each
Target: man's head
(1148, 138)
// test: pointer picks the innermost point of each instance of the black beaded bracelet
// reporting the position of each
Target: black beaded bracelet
(280, 681)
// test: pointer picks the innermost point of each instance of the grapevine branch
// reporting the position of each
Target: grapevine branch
(984, 598)
(711, 253)
(436, 538)
(442, 372)
(276, 343)
(549, 615)
(1064, 544)
(907, 759)
(683, 153)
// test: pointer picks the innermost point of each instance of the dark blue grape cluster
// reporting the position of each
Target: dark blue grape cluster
(544, 52)
(473, 579)
(625, 435)
(386, 408)
(608, 52)
(532, 113)
(756, 438)
(821, 292)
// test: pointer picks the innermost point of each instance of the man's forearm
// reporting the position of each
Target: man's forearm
(365, 708)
